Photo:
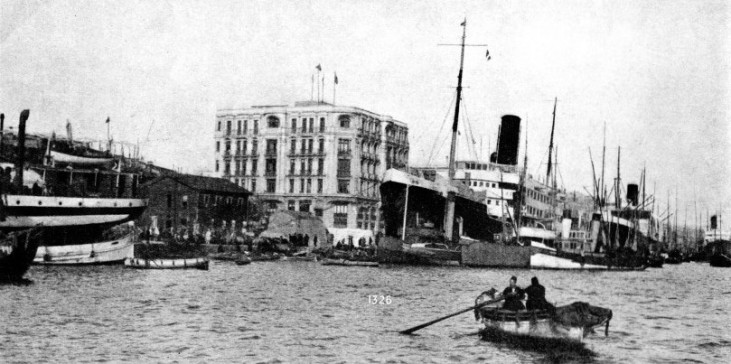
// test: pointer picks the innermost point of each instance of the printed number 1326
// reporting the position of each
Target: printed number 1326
(379, 300)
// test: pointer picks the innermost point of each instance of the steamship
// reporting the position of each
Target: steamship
(70, 192)
(426, 216)
(717, 244)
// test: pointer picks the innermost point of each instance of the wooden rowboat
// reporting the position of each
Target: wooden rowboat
(182, 263)
(571, 322)
(345, 262)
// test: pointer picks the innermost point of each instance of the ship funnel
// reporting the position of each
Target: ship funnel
(595, 224)
(566, 224)
(20, 160)
(632, 193)
(714, 222)
(508, 140)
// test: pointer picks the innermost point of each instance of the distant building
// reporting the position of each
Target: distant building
(193, 203)
(312, 157)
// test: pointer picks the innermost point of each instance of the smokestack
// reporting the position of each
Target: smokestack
(632, 193)
(714, 222)
(595, 221)
(508, 140)
(20, 161)
(2, 132)
(566, 224)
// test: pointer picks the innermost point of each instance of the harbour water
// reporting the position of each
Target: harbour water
(281, 312)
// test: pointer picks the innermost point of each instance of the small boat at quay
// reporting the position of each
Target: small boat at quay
(104, 252)
(17, 250)
(350, 263)
(182, 263)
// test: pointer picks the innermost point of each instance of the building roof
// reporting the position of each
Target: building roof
(203, 183)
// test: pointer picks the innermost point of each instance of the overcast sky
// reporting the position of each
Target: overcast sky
(657, 72)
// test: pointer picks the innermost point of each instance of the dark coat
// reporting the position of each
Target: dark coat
(513, 297)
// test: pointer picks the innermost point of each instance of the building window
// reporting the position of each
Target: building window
(246, 126)
(254, 169)
(343, 146)
(320, 166)
(302, 185)
(360, 218)
(321, 146)
(271, 167)
(302, 168)
(243, 168)
(310, 142)
(291, 167)
(318, 212)
(343, 167)
(218, 127)
(272, 122)
(218, 147)
(319, 185)
(312, 125)
(238, 127)
(271, 183)
(309, 185)
(256, 126)
(291, 185)
(217, 166)
(271, 147)
(169, 200)
(305, 206)
(227, 168)
(344, 121)
(228, 127)
(254, 147)
(290, 205)
(322, 125)
(343, 186)
(304, 125)
(340, 216)
(253, 185)
(294, 125)
(293, 146)
(309, 166)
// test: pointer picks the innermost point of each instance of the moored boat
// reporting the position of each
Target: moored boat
(17, 250)
(113, 251)
(179, 263)
(351, 263)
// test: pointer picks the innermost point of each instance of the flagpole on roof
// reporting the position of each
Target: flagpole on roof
(335, 87)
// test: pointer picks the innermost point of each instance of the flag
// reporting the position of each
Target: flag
(107, 120)
(487, 55)
(319, 68)
(336, 78)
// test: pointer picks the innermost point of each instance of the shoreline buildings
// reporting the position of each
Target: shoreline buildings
(312, 157)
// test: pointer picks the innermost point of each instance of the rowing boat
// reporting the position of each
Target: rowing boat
(181, 263)
(346, 262)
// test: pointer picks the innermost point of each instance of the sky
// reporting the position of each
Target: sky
(658, 73)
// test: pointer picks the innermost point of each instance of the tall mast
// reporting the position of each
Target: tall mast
(602, 189)
(550, 144)
(618, 188)
(453, 148)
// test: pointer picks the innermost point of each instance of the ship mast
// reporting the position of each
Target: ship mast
(550, 144)
(455, 123)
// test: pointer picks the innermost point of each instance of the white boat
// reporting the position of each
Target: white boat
(182, 263)
(105, 252)
(79, 160)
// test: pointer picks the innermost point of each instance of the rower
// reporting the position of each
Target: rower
(513, 296)
(537, 296)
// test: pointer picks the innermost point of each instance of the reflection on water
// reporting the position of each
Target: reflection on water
(305, 312)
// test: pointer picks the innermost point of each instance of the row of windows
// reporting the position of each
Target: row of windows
(306, 166)
(304, 125)
(305, 185)
(535, 212)
(538, 196)
(307, 146)
(242, 126)
(474, 183)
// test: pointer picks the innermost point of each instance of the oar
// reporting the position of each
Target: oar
(416, 328)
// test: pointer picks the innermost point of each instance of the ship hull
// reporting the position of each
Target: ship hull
(26, 211)
(16, 255)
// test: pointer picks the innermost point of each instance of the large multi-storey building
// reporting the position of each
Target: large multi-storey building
(313, 157)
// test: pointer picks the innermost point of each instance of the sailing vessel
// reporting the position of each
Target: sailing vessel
(73, 205)
(718, 244)
(426, 216)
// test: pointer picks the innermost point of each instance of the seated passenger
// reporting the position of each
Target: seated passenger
(537, 297)
(513, 296)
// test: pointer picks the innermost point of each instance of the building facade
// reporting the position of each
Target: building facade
(312, 157)
(180, 202)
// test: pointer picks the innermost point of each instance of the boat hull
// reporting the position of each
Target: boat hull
(16, 255)
(188, 263)
(351, 263)
(105, 252)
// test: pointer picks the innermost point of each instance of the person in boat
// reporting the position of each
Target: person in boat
(513, 296)
(537, 296)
